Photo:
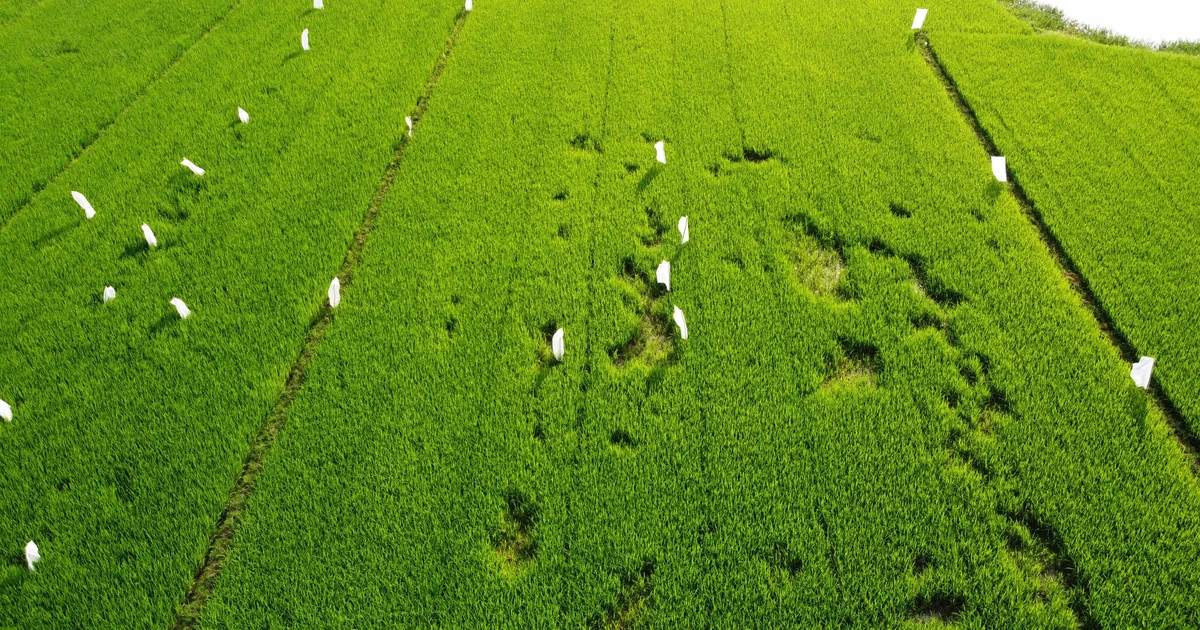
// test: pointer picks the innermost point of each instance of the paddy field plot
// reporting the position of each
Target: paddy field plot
(892, 408)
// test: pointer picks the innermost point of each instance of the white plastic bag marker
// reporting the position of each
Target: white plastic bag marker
(109, 294)
(149, 234)
(1000, 168)
(683, 229)
(679, 321)
(184, 311)
(408, 121)
(318, 4)
(663, 274)
(31, 554)
(5, 411)
(660, 151)
(243, 115)
(469, 6)
(88, 211)
(304, 39)
(335, 293)
(1141, 372)
(919, 18)
(558, 345)
(192, 166)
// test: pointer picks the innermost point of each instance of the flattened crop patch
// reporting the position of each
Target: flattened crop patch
(852, 364)
(513, 542)
(817, 265)
(633, 599)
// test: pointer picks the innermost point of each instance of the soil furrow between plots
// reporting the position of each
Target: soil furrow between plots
(108, 123)
(222, 538)
(1186, 438)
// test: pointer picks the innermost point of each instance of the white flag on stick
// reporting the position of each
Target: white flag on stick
(304, 39)
(335, 293)
(88, 211)
(1000, 168)
(408, 121)
(679, 321)
(318, 4)
(192, 166)
(31, 554)
(660, 151)
(149, 234)
(182, 308)
(469, 6)
(109, 294)
(1141, 372)
(919, 18)
(663, 274)
(558, 345)
(683, 229)
(5, 411)
(243, 115)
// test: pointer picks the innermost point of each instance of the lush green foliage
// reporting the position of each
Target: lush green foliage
(70, 67)
(891, 407)
(1102, 141)
(131, 425)
(1048, 18)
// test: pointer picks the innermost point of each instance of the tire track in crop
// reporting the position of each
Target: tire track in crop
(1188, 441)
(582, 406)
(105, 125)
(221, 541)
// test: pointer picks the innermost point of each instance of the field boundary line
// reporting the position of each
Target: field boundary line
(221, 541)
(7, 221)
(1187, 440)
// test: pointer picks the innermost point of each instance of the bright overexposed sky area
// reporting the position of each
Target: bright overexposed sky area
(1152, 21)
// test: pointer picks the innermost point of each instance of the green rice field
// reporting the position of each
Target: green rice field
(879, 389)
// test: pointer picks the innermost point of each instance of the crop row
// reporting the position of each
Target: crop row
(131, 425)
(71, 67)
(1099, 138)
(890, 407)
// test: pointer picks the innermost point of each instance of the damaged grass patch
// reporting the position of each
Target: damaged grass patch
(852, 364)
(513, 544)
(633, 599)
(817, 265)
(651, 343)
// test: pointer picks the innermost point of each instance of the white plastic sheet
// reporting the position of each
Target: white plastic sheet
(31, 554)
(318, 4)
(5, 411)
(919, 18)
(149, 234)
(408, 121)
(660, 151)
(335, 293)
(681, 323)
(469, 5)
(109, 294)
(181, 308)
(1000, 168)
(558, 345)
(88, 210)
(304, 39)
(243, 115)
(192, 166)
(1141, 372)
(663, 274)
(683, 229)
